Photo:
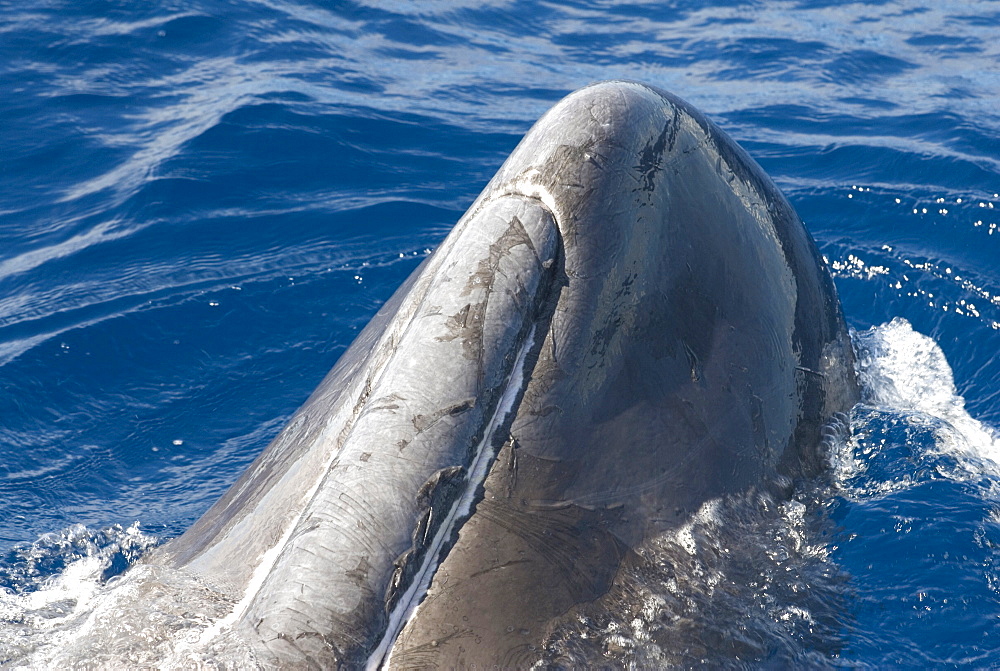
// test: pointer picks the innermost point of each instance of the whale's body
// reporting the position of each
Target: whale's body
(628, 322)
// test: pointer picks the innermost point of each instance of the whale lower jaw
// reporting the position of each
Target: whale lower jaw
(628, 322)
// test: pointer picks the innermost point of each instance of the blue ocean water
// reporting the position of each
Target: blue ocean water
(202, 202)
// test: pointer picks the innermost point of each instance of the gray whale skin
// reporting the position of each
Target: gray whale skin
(628, 322)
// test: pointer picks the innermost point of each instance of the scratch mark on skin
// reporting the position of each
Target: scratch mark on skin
(499, 567)
(423, 422)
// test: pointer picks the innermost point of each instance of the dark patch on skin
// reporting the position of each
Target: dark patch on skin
(472, 331)
(457, 324)
(363, 396)
(423, 422)
(485, 273)
(651, 156)
(434, 500)
(651, 161)
(468, 323)
(603, 337)
(360, 573)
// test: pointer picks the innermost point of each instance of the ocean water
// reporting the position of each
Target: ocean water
(202, 202)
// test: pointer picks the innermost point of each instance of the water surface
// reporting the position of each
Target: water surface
(202, 202)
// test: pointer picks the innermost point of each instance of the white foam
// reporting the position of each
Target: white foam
(685, 535)
(63, 596)
(905, 371)
(38, 618)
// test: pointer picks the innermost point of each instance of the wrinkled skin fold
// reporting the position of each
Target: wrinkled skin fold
(628, 322)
